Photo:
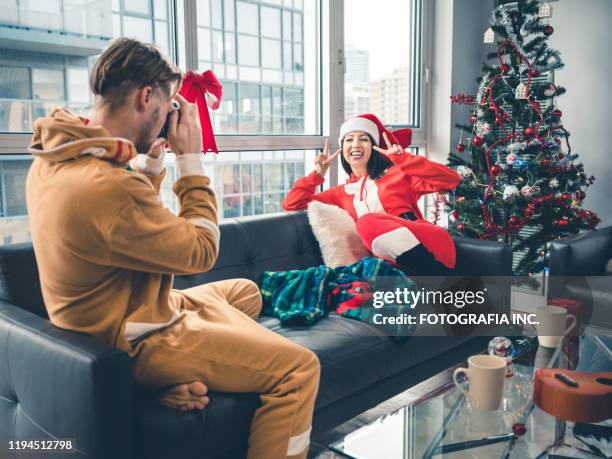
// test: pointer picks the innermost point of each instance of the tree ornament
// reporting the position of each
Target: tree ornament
(527, 191)
(460, 199)
(521, 91)
(510, 192)
(477, 141)
(495, 170)
(554, 183)
(511, 158)
(545, 162)
(556, 113)
(580, 195)
(489, 36)
(550, 90)
(514, 222)
(566, 196)
(464, 172)
(525, 30)
(505, 68)
(473, 119)
(548, 31)
(460, 147)
(562, 222)
(529, 132)
(545, 10)
(485, 128)
(534, 72)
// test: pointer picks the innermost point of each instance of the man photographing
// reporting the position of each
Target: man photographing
(107, 249)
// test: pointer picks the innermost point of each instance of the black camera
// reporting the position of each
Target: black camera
(164, 130)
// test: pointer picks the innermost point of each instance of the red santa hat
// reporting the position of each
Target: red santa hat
(371, 125)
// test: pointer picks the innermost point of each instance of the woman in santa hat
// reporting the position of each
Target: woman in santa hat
(381, 194)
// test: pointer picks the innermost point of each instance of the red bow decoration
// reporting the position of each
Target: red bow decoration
(205, 91)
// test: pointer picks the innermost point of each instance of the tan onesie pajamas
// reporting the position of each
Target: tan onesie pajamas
(106, 250)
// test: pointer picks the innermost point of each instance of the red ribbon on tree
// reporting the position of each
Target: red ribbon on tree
(205, 91)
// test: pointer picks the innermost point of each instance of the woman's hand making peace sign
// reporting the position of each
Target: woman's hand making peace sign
(392, 149)
(324, 160)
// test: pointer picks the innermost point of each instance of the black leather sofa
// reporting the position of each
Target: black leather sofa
(578, 271)
(59, 384)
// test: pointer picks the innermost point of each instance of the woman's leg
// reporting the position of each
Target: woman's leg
(418, 246)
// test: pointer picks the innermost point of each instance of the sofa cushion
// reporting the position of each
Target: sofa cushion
(19, 282)
(252, 245)
(335, 230)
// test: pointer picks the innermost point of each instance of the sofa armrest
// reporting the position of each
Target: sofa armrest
(584, 254)
(59, 384)
(476, 257)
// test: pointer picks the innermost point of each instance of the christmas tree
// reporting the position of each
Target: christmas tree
(521, 182)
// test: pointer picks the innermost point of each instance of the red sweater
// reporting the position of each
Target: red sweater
(396, 192)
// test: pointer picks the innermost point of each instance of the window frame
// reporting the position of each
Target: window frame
(329, 68)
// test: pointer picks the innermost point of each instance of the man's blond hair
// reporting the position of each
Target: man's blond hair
(128, 64)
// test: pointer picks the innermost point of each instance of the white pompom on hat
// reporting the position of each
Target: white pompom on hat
(371, 125)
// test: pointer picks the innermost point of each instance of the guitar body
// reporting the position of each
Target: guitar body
(591, 401)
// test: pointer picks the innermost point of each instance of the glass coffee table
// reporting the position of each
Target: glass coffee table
(442, 423)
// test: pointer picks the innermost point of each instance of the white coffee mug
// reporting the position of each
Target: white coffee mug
(552, 325)
(486, 375)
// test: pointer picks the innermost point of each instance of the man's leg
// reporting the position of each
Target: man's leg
(243, 294)
(225, 348)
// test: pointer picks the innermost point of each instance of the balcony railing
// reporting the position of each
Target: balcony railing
(17, 115)
(86, 18)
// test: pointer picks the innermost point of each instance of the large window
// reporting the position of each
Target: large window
(279, 62)
(380, 78)
(256, 49)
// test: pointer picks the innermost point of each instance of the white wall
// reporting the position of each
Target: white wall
(458, 54)
(583, 36)
(439, 121)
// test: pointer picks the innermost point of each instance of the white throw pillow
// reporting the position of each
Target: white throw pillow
(335, 230)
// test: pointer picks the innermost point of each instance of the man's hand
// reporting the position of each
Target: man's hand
(157, 148)
(324, 160)
(185, 135)
(392, 149)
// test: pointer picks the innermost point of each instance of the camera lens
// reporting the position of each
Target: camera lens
(164, 130)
